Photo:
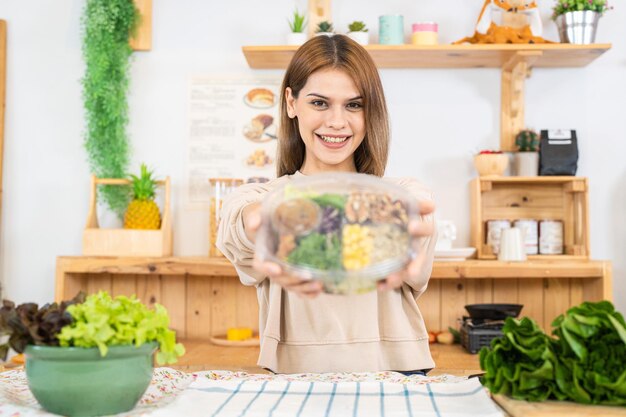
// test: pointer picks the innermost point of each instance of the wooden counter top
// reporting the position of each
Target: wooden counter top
(206, 266)
(201, 356)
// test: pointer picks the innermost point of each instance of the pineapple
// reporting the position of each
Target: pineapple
(143, 212)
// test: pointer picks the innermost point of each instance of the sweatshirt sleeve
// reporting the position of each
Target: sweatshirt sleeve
(231, 236)
(426, 244)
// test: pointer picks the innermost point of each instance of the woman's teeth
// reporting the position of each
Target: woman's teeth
(332, 139)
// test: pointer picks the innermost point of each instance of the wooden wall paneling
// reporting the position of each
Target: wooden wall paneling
(477, 226)
(98, 282)
(199, 307)
(452, 303)
(478, 291)
(3, 68)
(123, 285)
(142, 41)
(530, 295)
(224, 305)
(173, 296)
(600, 288)
(149, 290)
(505, 291)
(576, 293)
(74, 283)
(556, 300)
(247, 306)
(429, 304)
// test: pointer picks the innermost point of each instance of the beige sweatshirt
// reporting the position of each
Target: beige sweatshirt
(375, 331)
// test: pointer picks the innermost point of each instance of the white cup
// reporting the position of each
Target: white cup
(446, 233)
(512, 245)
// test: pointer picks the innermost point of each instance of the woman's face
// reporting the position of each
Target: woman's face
(331, 120)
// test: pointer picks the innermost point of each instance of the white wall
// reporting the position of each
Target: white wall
(439, 118)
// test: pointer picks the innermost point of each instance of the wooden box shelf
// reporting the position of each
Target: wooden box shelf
(204, 296)
(126, 242)
(539, 198)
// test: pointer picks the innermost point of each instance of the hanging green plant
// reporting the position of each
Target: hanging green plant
(107, 26)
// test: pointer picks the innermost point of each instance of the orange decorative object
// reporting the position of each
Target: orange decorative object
(18, 359)
(238, 333)
(507, 21)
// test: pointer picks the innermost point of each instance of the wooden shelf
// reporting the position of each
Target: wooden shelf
(533, 180)
(220, 267)
(443, 56)
(515, 62)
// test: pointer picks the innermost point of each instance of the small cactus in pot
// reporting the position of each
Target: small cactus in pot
(358, 32)
(325, 28)
(527, 159)
(527, 140)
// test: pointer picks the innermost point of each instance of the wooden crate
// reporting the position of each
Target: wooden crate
(126, 242)
(540, 198)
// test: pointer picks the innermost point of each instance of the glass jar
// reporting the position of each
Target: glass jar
(425, 33)
(220, 188)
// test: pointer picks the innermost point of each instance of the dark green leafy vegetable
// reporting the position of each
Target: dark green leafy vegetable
(520, 364)
(591, 353)
(320, 251)
(586, 362)
(95, 321)
(334, 200)
(27, 324)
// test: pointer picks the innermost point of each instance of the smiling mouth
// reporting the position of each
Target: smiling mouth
(333, 139)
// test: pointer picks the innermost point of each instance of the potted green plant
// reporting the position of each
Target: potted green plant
(490, 163)
(527, 158)
(89, 356)
(577, 20)
(358, 32)
(297, 25)
(325, 28)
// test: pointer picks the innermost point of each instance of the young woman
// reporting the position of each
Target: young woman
(333, 117)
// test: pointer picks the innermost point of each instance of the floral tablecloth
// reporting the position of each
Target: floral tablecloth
(226, 393)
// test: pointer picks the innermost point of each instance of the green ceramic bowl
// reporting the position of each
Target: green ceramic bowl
(79, 382)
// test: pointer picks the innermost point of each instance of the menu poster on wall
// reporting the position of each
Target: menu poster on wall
(232, 132)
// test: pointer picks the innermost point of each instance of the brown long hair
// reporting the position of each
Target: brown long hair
(337, 52)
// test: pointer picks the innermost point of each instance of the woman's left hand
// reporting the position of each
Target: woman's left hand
(413, 269)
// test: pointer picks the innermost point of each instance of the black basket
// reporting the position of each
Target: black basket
(479, 338)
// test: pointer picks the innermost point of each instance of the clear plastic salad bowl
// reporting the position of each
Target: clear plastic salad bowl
(346, 230)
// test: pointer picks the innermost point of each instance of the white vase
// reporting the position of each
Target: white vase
(324, 33)
(296, 38)
(527, 164)
(362, 38)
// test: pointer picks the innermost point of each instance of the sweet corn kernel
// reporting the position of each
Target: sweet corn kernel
(357, 246)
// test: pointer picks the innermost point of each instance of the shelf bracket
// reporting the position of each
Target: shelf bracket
(142, 41)
(514, 72)
(319, 10)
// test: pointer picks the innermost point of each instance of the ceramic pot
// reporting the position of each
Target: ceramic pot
(74, 381)
(527, 164)
(362, 38)
(296, 38)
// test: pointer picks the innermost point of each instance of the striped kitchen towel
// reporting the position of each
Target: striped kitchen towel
(275, 396)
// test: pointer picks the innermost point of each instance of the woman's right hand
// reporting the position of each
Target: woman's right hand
(303, 287)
